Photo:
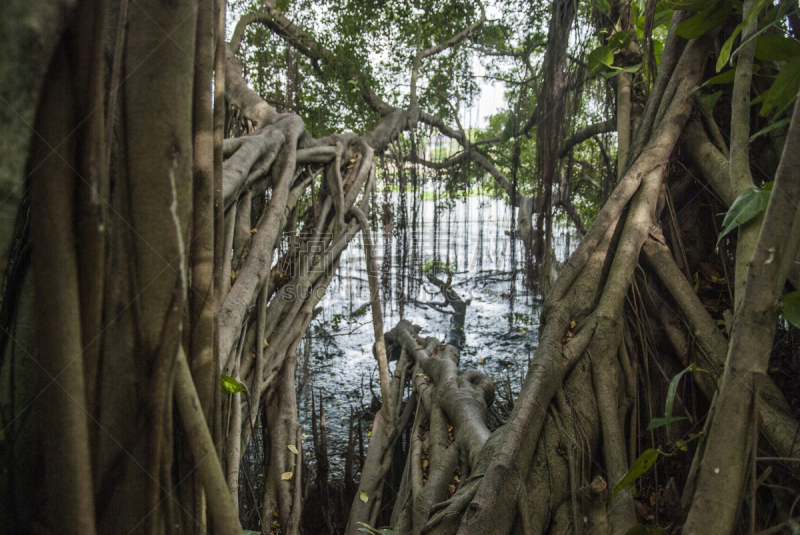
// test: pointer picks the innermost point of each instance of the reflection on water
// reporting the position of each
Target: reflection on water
(468, 235)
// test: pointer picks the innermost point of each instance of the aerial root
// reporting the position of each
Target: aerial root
(450, 510)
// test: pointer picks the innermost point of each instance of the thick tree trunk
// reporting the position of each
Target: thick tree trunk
(61, 431)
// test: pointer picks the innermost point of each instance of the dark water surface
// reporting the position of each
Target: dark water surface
(472, 237)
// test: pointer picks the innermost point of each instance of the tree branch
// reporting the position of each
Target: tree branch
(479, 158)
(585, 133)
(573, 214)
(245, 21)
(209, 470)
(441, 47)
(306, 44)
(456, 38)
(375, 308)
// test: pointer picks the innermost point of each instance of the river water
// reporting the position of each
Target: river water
(471, 236)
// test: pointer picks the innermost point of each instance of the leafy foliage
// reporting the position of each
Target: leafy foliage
(722, 78)
(791, 308)
(598, 58)
(373, 531)
(783, 90)
(777, 48)
(709, 18)
(621, 39)
(748, 205)
(709, 101)
(655, 423)
(667, 420)
(634, 68)
(770, 128)
(727, 48)
(437, 266)
(374, 43)
(638, 469)
(230, 385)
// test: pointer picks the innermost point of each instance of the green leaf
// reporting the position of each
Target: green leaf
(617, 71)
(791, 308)
(748, 205)
(783, 90)
(598, 58)
(508, 131)
(710, 100)
(644, 529)
(673, 391)
(640, 466)
(655, 423)
(705, 21)
(604, 6)
(770, 128)
(230, 385)
(621, 39)
(754, 12)
(688, 5)
(663, 15)
(725, 51)
(776, 48)
(724, 78)
(372, 531)
(250, 532)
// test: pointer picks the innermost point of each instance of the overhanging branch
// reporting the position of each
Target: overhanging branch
(271, 17)
(585, 133)
(453, 41)
(479, 158)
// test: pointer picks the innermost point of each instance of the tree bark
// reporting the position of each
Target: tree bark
(65, 499)
(740, 177)
(721, 477)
